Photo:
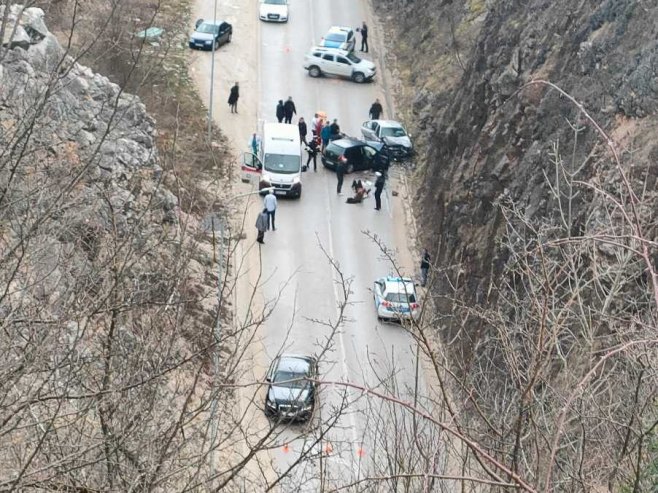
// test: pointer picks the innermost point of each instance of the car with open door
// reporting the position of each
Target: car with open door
(357, 155)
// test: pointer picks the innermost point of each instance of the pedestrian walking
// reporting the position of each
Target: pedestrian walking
(280, 112)
(379, 187)
(270, 207)
(312, 149)
(289, 110)
(424, 267)
(261, 226)
(254, 143)
(340, 173)
(325, 134)
(376, 110)
(233, 98)
(302, 129)
(364, 37)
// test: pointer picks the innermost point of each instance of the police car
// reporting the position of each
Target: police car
(396, 298)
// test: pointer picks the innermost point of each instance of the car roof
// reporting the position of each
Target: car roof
(327, 49)
(347, 142)
(388, 123)
(399, 284)
(339, 29)
(294, 363)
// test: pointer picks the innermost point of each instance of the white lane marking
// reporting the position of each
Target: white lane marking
(341, 340)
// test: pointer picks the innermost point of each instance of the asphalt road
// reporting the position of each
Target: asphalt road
(361, 433)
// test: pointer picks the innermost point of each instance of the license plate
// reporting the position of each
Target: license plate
(280, 192)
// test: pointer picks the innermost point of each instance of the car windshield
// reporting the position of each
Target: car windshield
(400, 297)
(333, 150)
(281, 163)
(208, 28)
(290, 379)
(335, 37)
(393, 132)
(275, 2)
(353, 58)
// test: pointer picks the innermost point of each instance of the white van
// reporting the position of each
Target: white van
(279, 162)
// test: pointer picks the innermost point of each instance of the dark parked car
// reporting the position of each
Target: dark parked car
(356, 154)
(290, 394)
(205, 32)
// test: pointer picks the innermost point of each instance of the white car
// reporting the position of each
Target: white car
(332, 61)
(274, 11)
(396, 298)
(339, 37)
(390, 133)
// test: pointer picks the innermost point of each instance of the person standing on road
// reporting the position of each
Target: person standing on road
(340, 173)
(424, 267)
(376, 110)
(303, 130)
(261, 226)
(270, 207)
(280, 112)
(314, 126)
(335, 130)
(289, 110)
(312, 149)
(379, 187)
(325, 134)
(254, 143)
(233, 98)
(364, 37)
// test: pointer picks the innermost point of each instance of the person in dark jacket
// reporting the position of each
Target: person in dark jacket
(424, 267)
(335, 130)
(233, 98)
(312, 149)
(303, 130)
(289, 110)
(262, 223)
(364, 37)
(376, 110)
(280, 112)
(340, 173)
(379, 187)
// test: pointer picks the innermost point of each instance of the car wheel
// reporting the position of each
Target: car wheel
(350, 168)
(314, 71)
(359, 77)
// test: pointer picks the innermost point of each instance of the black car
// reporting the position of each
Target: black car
(207, 31)
(290, 393)
(356, 154)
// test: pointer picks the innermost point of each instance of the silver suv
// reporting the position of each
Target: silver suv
(332, 61)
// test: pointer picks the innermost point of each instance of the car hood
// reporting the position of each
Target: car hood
(282, 395)
(197, 36)
(398, 141)
(266, 8)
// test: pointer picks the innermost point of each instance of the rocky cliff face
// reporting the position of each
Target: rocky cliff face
(538, 226)
(97, 293)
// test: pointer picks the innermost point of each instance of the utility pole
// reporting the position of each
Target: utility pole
(212, 74)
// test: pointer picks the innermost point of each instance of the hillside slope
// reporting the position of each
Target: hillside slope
(541, 214)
